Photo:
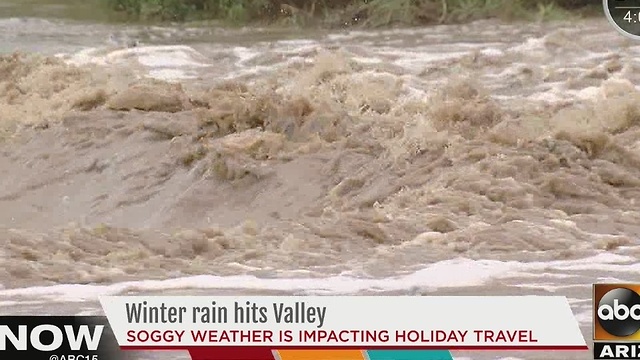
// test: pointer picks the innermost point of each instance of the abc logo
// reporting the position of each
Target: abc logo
(618, 312)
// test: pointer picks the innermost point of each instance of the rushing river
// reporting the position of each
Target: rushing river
(477, 159)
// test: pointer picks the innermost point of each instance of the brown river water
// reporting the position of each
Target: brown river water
(485, 158)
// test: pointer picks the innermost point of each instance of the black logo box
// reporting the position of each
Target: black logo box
(108, 348)
(616, 350)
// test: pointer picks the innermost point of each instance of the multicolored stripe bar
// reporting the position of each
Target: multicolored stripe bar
(408, 355)
(260, 353)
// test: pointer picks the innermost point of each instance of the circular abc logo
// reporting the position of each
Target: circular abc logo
(619, 312)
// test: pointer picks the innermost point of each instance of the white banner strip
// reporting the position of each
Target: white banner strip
(348, 321)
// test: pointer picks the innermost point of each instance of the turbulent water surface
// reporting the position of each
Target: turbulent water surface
(477, 159)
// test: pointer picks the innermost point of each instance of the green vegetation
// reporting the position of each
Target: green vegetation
(371, 13)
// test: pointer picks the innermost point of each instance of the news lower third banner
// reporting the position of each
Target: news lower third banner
(297, 328)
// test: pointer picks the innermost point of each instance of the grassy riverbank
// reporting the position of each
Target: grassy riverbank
(371, 13)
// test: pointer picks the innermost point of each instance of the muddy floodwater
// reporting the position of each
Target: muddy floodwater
(485, 158)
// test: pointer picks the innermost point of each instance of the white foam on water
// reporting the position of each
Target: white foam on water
(302, 49)
(588, 93)
(248, 71)
(450, 273)
(609, 279)
(578, 302)
(244, 54)
(548, 287)
(9, 303)
(150, 56)
(584, 317)
(169, 63)
(445, 274)
(417, 61)
(622, 268)
(82, 57)
(530, 45)
(486, 48)
(366, 60)
(601, 258)
(546, 96)
(425, 55)
(89, 312)
(492, 52)
(298, 43)
(169, 56)
(548, 275)
(338, 37)
(171, 75)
